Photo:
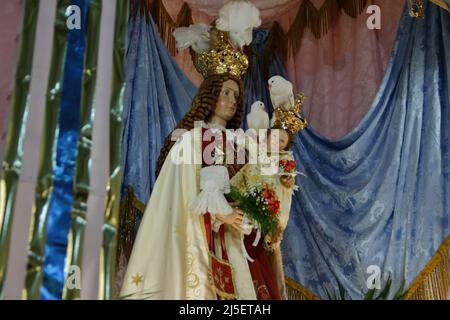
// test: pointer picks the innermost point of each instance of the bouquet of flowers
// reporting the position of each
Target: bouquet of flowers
(260, 205)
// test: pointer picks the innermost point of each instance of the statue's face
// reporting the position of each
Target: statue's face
(277, 140)
(227, 102)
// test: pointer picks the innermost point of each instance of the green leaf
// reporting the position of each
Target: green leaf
(400, 294)
(328, 294)
(369, 295)
(385, 292)
(341, 290)
(255, 210)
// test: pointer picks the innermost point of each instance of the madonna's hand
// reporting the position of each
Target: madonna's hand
(234, 219)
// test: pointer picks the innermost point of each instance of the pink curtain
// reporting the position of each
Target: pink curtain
(10, 20)
(339, 73)
(271, 10)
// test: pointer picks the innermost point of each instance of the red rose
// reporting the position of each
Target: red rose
(274, 206)
(287, 165)
(290, 165)
(266, 194)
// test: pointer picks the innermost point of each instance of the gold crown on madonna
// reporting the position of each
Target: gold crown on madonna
(221, 58)
(290, 119)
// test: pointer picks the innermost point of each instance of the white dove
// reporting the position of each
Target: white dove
(195, 36)
(281, 92)
(239, 18)
(258, 118)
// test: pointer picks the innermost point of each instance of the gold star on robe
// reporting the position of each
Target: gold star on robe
(136, 279)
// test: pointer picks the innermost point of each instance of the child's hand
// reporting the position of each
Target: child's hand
(268, 244)
(287, 181)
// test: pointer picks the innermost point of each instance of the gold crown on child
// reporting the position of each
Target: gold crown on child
(290, 119)
(221, 58)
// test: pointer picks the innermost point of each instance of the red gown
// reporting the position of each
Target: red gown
(261, 270)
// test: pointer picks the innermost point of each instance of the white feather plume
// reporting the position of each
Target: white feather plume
(281, 92)
(195, 36)
(239, 18)
(258, 118)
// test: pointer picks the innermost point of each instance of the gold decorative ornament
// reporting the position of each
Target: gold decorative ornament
(290, 119)
(416, 9)
(221, 58)
(137, 279)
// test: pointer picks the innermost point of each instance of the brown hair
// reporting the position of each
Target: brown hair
(202, 108)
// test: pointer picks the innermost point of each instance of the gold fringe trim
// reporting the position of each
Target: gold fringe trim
(442, 4)
(130, 210)
(296, 291)
(162, 19)
(319, 21)
(433, 281)
(222, 294)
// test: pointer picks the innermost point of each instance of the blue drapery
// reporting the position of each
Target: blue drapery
(68, 130)
(157, 96)
(379, 196)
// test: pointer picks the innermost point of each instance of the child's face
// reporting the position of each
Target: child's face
(279, 144)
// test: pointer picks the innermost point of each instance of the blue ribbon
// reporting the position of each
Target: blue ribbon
(62, 197)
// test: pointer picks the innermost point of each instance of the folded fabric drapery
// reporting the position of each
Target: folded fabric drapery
(443, 3)
(341, 72)
(157, 95)
(379, 196)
